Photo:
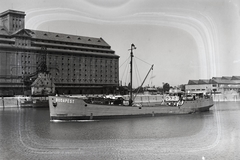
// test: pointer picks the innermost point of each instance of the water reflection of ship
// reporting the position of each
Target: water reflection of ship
(99, 107)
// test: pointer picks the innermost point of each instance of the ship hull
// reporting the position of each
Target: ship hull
(34, 103)
(67, 108)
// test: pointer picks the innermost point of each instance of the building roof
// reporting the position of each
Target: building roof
(51, 36)
(193, 82)
(225, 81)
(235, 77)
(216, 80)
(3, 31)
(204, 81)
(78, 44)
(43, 80)
(12, 12)
(66, 37)
(226, 77)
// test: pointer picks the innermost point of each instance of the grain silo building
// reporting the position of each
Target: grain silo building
(75, 64)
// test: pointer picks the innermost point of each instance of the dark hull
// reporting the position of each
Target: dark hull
(69, 118)
(203, 109)
(41, 104)
(35, 104)
(26, 104)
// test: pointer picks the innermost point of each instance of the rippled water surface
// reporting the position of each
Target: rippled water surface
(28, 134)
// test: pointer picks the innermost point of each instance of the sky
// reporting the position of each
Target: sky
(184, 39)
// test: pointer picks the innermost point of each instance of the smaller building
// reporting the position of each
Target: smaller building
(43, 85)
(202, 85)
(223, 88)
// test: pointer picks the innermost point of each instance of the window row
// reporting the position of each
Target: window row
(79, 49)
(82, 59)
(72, 44)
(62, 80)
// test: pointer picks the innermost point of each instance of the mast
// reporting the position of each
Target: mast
(131, 55)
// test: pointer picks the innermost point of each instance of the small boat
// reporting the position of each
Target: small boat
(91, 108)
(34, 102)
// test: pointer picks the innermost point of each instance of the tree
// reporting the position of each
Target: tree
(166, 87)
(139, 89)
(182, 87)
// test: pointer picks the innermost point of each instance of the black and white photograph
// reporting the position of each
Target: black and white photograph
(120, 79)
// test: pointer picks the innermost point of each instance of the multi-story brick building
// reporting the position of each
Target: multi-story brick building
(75, 64)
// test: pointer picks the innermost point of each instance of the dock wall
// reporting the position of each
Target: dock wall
(9, 102)
(144, 100)
(15, 102)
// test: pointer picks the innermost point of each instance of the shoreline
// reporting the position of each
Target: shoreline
(23, 102)
(41, 101)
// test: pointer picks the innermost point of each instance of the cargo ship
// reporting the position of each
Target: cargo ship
(92, 108)
(70, 108)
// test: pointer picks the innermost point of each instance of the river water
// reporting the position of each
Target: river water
(28, 134)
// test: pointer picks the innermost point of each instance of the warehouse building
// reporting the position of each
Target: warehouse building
(75, 64)
(225, 88)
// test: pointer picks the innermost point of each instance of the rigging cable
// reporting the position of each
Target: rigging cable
(137, 74)
(126, 68)
(143, 61)
(124, 62)
(146, 63)
(127, 76)
(138, 77)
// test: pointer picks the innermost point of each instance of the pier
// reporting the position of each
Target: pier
(23, 102)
